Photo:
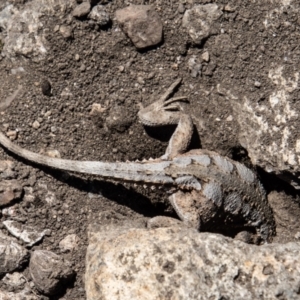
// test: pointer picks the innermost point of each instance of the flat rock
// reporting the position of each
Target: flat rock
(49, 271)
(27, 234)
(12, 255)
(181, 263)
(10, 190)
(200, 21)
(142, 24)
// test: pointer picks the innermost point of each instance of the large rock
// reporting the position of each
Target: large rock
(264, 97)
(142, 24)
(269, 129)
(178, 263)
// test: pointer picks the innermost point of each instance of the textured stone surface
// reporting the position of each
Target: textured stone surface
(99, 15)
(24, 29)
(49, 271)
(7, 169)
(274, 120)
(12, 255)
(24, 295)
(179, 263)
(199, 21)
(69, 243)
(142, 24)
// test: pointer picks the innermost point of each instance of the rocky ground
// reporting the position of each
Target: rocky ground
(73, 77)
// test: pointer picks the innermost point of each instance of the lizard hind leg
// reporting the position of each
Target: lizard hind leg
(193, 208)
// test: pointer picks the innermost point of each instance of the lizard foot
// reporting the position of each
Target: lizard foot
(166, 111)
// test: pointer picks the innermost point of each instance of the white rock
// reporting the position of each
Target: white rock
(25, 233)
(69, 243)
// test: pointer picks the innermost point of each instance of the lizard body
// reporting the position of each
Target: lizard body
(206, 184)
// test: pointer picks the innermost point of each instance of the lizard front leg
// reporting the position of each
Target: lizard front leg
(167, 112)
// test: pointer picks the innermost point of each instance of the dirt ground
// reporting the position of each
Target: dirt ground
(102, 66)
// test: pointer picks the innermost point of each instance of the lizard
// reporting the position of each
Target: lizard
(204, 184)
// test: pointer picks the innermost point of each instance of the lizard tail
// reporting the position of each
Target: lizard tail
(148, 172)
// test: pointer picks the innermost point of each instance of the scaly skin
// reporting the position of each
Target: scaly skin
(206, 184)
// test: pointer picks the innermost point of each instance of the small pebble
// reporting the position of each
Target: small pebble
(66, 31)
(12, 134)
(69, 243)
(257, 84)
(36, 125)
(229, 118)
(97, 109)
(47, 113)
(46, 87)
(151, 75)
(181, 8)
(53, 153)
(297, 235)
(228, 8)
(205, 56)
(121, 68)
(82, 10)
(82, 68)
(140, 80)
(99, 15)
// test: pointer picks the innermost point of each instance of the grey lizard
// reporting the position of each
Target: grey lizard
(204, 184)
